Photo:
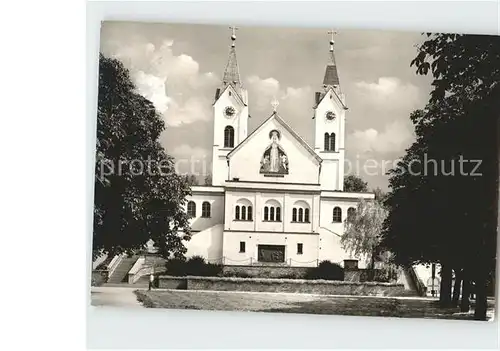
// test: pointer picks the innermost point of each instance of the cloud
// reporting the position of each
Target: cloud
(395, 137)
(173, 83)
(295, 103)
(192, 160)
(388, 93)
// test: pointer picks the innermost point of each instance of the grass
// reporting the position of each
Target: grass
(298, 303)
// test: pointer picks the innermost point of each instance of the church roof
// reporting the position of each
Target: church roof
(331, 75)
(275, 116)
(231, 75)
(324, 93)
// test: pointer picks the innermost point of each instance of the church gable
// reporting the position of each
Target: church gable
(274, 153)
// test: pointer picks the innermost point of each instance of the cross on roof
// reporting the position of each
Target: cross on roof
(275, 104)
(233, 30)
(332, 32)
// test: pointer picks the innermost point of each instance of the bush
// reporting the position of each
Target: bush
(326, 270)
(195, 266)
(176, 267)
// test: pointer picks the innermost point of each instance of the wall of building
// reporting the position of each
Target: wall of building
(245, 163)
(233, 256)
(326, 212)
(259, 199)
(206, 243)
(216, 201)
(240, 124)
(332, 168)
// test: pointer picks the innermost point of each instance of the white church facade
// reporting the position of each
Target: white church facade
(274, 199)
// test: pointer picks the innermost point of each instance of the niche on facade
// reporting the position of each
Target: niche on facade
(274, 160)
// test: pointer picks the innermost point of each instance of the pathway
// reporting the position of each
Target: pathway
(116, 296)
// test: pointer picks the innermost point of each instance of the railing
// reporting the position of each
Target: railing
(142, 268)
(114, 263)
(330, 231)
(421, 288)
(99, 260)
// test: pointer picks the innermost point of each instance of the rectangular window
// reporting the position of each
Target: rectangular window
(300, 248)
(242, 246)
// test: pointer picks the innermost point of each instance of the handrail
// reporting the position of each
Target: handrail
(331, 231)
(421, 288)
(114, 263)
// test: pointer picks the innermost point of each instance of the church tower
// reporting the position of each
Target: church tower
(230, 115)
(329, 119)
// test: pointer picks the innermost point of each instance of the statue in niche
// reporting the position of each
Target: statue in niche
(274, 159)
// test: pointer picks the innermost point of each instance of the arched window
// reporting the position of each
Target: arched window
(300, 212)
(243, 210)
(205, 209)
(229, 136)
(191, 209)
(351, 212)
(332, 142)
(327, 142)
(272, 211)
(337, 214)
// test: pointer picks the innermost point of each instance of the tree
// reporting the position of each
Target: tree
(363, 232)
(355, 184)
(138, 195)
(433, 210)
(380, 195)
(191, 179)
(466, 71)
(208, 180)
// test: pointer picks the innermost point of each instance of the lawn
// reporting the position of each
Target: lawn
(300, 303)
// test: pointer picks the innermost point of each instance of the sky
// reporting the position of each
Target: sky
(179, 66)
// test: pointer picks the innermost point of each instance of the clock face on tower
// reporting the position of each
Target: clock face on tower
(229, 111)
(330, 116)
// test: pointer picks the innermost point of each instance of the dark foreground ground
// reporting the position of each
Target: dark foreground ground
(302, 303)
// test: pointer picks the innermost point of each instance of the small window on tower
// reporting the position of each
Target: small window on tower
(242, 246)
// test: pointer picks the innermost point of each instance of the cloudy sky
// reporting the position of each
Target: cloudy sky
(179, 66)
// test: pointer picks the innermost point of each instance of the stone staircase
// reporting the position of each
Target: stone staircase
(406, 279)
(120, 274)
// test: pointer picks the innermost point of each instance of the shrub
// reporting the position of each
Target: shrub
(195, 266)
(176, 267)
(326, 270)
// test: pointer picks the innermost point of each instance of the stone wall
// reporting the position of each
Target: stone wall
(322, 287)
(168, 282)
(265, 271)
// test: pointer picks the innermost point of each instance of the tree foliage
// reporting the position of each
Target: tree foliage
(355, 184)
(363, 230)
(443, 198)
(138, 194)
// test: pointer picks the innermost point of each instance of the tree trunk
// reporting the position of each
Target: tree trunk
(466, 290)
(480, 292)
(445, 288)
(372, 264)
(456, 287)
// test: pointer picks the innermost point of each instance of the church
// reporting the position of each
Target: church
(274, 199)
